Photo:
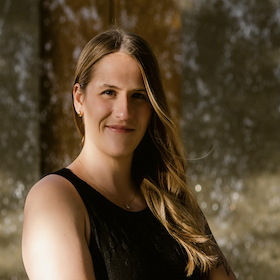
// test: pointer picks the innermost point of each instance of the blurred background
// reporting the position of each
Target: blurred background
(220, 62)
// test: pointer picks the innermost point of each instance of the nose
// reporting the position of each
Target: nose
(122, 108)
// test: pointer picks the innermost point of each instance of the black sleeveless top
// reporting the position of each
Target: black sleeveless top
(128, 245)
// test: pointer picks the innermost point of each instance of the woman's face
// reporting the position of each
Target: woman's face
(115, 105)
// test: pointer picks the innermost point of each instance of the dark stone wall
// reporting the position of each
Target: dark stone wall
(65, 29)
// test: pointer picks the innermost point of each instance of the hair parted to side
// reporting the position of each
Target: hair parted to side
(159, 162)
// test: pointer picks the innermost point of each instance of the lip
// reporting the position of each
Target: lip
(120, 128)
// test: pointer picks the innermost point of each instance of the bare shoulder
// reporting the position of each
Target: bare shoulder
(52, 191)
(53, 195)
(51, 184)
(54, 230)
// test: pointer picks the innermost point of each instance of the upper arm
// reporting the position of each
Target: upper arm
(54, 242)
(220, 270)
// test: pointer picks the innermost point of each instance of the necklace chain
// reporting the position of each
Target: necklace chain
(126, 205)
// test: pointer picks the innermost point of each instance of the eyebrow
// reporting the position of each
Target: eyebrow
(115, 87)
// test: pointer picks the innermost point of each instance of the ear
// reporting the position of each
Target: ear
(78, 99)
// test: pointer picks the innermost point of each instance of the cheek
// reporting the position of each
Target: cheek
(98, 108)
(148, 115)
(95, 112)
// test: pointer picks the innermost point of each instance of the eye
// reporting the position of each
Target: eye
(139, 95)
(109, 92)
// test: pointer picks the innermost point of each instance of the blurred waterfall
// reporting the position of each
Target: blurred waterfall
(19, 126)
(231, 110)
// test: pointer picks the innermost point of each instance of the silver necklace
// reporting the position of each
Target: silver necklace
(126, 205)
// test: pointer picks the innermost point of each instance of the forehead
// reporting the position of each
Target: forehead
(117, 59)
(118, 68)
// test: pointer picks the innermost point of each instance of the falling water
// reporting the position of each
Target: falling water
(231, 116)
(19, 127)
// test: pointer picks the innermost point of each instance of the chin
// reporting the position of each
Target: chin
(120, 152)
(120, 148)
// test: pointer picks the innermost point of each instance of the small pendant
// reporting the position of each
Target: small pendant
(127, 206)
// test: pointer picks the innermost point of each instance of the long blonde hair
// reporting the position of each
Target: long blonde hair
(159, 162)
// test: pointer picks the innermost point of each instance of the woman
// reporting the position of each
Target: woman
(122, 209)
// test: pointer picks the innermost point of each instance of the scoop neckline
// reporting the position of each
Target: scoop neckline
(103, 197)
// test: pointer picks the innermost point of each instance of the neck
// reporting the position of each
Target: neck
(111, 176)
(111, 173)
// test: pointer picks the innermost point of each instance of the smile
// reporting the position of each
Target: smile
(120, 128)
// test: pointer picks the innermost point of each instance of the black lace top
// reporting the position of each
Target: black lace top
(128, 245)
